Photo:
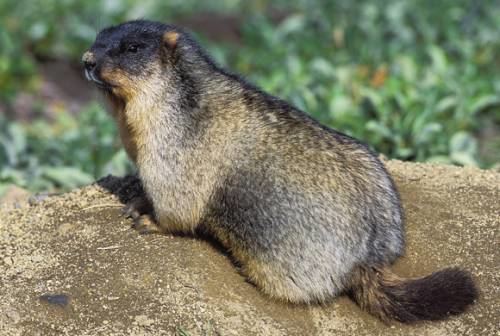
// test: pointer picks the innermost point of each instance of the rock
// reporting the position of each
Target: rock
(166, 284)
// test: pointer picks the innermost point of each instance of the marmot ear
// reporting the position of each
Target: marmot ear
(170, 39)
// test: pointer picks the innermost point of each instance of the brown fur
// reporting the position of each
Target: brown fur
(117, 108)
(307, 211)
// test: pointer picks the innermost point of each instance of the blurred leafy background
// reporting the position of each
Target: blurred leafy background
(418, 79)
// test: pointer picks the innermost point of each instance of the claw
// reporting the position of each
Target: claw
(140, 211)
(136, 207)
(145, 225)
(130, 211)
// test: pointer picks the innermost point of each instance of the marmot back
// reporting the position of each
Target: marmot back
(309, 212)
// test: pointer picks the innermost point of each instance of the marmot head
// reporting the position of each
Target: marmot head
(132, 57)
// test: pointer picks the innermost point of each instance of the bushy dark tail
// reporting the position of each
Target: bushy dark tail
(434, 297)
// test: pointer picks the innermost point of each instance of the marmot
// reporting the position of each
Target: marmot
(310, 213)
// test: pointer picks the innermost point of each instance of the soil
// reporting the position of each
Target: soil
(72, 265)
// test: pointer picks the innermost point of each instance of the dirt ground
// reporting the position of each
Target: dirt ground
(71, 265)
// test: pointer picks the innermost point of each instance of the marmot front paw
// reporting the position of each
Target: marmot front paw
(142, 214)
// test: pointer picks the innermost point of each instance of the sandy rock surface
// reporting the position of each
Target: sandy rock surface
(70, 265)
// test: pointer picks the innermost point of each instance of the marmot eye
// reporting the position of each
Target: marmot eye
(133, 48)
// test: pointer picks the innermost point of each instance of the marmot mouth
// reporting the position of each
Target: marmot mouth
(91, 77)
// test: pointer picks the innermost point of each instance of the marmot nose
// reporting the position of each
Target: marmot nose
(89, 60)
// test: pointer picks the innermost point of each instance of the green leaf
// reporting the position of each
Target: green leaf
(426, 134)
(463, 142)
(438, 58)
(485, 102)
(291, 24)
(18, 137)
(322, 66)
(182, 332)
(339, 106)
(464, 158)
(13, 176)
(68, 177)
(404, 153)
(407, 67)
(379, 129)
(445, 104)
(118, 165)
(38, 30)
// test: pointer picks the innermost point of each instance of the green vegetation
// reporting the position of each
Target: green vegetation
(418, 79)
(69, 152)
(182, 332)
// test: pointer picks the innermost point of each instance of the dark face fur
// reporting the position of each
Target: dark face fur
(125, 55)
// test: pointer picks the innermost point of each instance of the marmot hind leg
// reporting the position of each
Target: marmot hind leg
(283, 285)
